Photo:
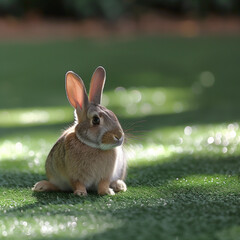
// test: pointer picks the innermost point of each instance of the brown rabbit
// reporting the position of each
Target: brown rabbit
(89, 155)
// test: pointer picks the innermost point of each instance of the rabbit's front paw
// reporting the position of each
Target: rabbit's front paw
(80, 193)
(108, 191)
(119, 186)
(103, 188)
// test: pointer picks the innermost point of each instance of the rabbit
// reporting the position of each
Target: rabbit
(89, 155)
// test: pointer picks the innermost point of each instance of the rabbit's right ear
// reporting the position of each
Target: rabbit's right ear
(97, 85)
(76, 91)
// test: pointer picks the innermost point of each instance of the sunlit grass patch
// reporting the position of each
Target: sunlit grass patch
(215, 181)
(139, 102)
(56, 225)
(152, 152)
(213, 139)
(15, 197)
(35, 116)
(27, 151)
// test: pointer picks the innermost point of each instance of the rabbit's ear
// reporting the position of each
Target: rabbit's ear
(76, 91)
(97, 85)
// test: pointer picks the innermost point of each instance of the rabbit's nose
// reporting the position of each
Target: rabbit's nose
(118, 137)
(115, 137)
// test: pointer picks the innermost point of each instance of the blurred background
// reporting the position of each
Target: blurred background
(63, 18)
(168, 63)
(182, 46)
(173, 79)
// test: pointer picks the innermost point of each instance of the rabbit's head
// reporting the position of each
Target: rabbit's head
(96, 126)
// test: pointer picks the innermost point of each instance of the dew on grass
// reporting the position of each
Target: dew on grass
(62, 227)
(224, 150)
(231, 134)
(19, 147)
(218, 135)
(217, 141)
(36, 161)
(31, 153)
(23, 223)
(210, 140)
(13, 150)
(180, 140)
(233, 126)
(225, 142)
(187, 130)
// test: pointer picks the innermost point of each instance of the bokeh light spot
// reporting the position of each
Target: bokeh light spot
(188, 130)
(159, 98)
(207, 79)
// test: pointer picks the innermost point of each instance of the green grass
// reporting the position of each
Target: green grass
(178, 96)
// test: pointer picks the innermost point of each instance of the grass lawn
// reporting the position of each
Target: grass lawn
(178, 96)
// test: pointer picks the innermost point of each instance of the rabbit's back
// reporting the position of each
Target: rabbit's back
(55, 165)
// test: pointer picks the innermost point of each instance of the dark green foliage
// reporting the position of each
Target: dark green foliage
(114, 9)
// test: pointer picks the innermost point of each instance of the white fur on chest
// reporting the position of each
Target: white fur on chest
(116, 172)
(119, 164)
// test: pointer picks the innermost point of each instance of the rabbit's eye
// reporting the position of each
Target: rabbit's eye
(96, 120)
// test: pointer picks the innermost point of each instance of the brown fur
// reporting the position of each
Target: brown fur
(108, 137)
(79, 163)
(87, 156)
(45, 186)
(94, 162)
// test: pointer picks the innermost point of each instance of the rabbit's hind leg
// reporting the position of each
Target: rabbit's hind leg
(79, 189)
(45, 186)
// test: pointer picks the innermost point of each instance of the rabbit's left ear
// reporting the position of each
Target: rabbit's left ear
(76, 91)
(97, 85)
